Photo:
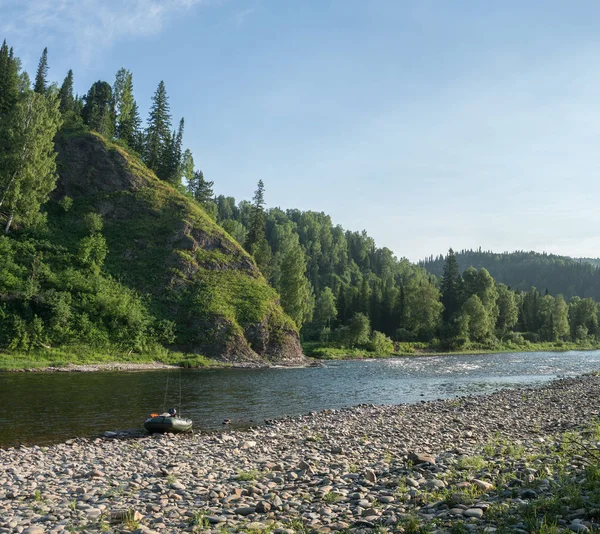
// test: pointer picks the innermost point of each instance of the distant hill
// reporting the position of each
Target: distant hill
(522, 270)
(593, 261)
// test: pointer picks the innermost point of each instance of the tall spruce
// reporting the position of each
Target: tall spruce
(9, 79)
(201, 189)
(41, 74)
(65, 94)
(158, 132)
(451, 287)
(169, 168)
(256, 241)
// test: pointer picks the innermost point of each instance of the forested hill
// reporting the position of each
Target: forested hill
(521, 270)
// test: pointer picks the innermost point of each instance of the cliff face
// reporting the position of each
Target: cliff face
(165, 246)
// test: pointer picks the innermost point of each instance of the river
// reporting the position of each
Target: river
(44, 408)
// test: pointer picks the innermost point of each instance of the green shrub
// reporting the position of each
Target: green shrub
(380, 343)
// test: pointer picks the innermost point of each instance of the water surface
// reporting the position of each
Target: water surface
(42, 408)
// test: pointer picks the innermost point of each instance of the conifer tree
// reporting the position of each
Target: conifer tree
(451, 287)
(158, 133)
(201, 189)
(65, 94)
(256, 241)
(9, 79)
(41, 74)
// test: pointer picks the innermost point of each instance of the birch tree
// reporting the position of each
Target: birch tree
(27, 158)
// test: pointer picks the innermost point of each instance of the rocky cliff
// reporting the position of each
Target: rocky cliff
(164, 245)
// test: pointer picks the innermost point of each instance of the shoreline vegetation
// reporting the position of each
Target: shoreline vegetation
(85, 360)
(519, 460)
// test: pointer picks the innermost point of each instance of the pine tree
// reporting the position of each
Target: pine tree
(256, 241)
(9, 79)
(158, 133)
(170, 161)
(201, 189)
(41, 74)
(256, 230)
(451, 287)
(65, 94)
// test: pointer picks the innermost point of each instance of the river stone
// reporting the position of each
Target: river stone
(371, 476)
(482, 484)
(578, 527)
(529, 494)
(436, 484)
(245, 510)
(263, 507)
(34, 529)
(473, 512)
(214, 519)
(421, 458)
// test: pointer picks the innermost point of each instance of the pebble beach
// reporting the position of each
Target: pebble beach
(520, 460)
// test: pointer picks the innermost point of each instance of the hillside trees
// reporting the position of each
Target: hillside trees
(98, 111)
(9, 79)
(41, 74)
(256, 242)
(27, 158)
(128, 122)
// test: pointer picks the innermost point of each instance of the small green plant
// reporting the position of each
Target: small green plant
(471, 463)
(37, 496)
(331, 497)
(199, 521)
(458, 527)
(131, 522)
(412, 525)
(171, 479)
(297, 526)
(247, 475)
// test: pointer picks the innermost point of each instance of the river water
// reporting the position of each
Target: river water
(43, 408)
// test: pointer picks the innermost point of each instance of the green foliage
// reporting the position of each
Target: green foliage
(158, 132)
(27, 158)
(98, 112)
(9, 79)
(41, 74)
(380, 343)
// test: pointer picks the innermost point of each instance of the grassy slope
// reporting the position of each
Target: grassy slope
(183, 266)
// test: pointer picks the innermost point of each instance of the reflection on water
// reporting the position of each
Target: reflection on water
(45, 408)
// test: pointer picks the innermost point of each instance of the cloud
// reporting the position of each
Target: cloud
(89, 25)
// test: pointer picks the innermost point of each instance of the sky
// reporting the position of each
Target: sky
(428, 123)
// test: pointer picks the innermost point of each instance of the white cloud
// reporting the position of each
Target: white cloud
(90, 25)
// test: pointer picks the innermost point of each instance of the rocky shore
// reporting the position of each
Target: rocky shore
(93, 367)
(520, 461)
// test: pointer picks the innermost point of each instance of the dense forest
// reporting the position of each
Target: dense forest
(521, 270)
(336, 285)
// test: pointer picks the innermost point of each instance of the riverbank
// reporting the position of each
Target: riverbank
(514, 460)
(332, 352)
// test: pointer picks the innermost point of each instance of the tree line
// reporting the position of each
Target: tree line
(335, 284)
(520, 270)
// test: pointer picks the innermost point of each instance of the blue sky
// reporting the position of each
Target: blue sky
(431, 124)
